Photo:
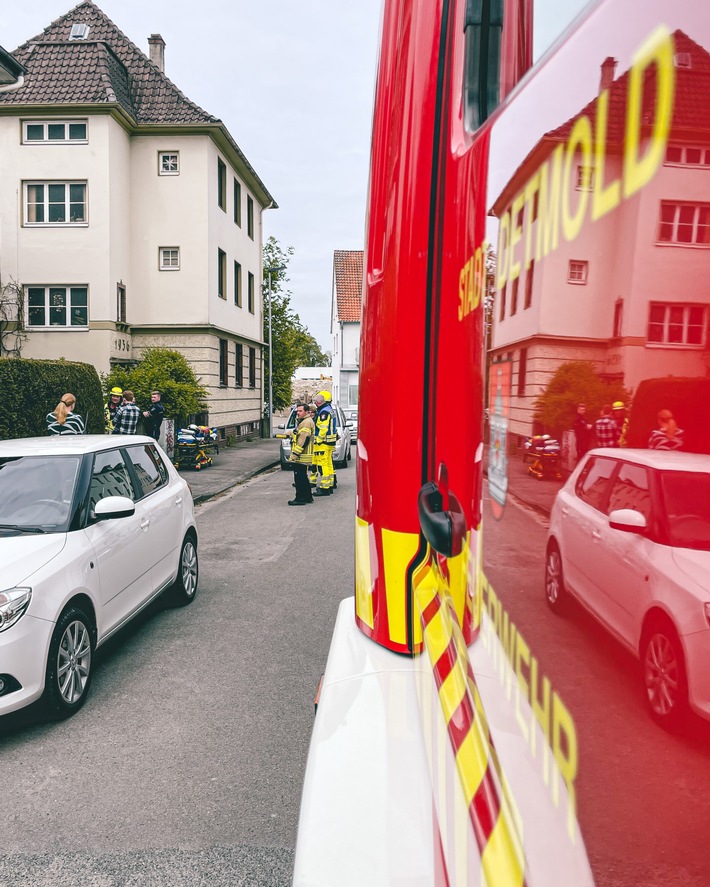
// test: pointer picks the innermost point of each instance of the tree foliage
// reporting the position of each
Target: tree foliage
(168, 372)
(575, 382)
(292, 344)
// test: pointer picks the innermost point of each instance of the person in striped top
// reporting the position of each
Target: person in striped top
(668, 436)
(63, 419)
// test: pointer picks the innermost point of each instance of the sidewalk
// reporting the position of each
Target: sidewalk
(237, 464)
(536, 494)
(234, 465)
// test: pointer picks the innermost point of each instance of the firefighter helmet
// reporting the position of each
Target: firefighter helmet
(326, 395)
(116, 390)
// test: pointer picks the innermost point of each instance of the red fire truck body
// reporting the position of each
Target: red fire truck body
(441, 752)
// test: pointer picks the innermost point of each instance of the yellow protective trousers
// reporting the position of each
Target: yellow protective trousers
(323, 461)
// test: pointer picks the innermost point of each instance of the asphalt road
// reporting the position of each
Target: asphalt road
(186, 764)
(644, 795)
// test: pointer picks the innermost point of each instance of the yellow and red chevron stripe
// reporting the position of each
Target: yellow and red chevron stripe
(490, 810)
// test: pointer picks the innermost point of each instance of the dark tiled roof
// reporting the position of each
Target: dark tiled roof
(691, 111)
(347, 267)
(106, 67)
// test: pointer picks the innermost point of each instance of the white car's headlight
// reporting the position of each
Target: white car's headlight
(13, 604)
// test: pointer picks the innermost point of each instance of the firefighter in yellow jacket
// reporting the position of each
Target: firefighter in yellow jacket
(302, 454)
(324, 443)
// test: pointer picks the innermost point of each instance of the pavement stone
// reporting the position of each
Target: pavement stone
(537, 493)
(232, 466)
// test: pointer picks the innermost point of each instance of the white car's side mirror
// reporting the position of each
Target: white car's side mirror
(627, 520)
(114, 506)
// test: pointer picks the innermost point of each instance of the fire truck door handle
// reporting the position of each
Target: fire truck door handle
(444, 530)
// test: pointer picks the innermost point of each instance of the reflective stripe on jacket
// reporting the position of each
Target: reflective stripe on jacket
(326, 425)
(302, 442)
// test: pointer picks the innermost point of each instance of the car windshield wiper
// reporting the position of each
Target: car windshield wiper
(21, 529)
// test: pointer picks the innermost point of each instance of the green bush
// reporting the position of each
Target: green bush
(575, 382)
(168, 372)
(32, 388)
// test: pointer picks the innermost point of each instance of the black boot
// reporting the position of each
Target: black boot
(300, 502)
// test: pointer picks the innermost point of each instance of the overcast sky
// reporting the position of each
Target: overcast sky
(293, 80)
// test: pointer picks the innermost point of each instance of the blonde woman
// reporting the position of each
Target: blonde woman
(63, 420)
(668, 436)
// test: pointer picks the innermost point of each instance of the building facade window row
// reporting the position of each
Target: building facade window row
(238, 364)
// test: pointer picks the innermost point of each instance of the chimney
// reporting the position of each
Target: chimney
(608, 71)
(157, 51)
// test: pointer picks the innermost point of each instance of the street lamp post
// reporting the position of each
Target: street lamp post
(270, 271)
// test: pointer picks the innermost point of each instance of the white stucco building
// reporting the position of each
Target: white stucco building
(129, 215)
(345, 317)
(628, 292)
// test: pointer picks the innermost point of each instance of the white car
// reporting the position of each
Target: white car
(92, 528)
(630, 539)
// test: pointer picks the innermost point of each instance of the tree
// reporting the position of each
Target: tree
(292, 344)
(575, 382)
(168, 372)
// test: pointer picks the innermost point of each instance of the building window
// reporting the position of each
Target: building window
(250, 294)
(585, 178)
(168, 163)
(618, 317)
(55, 203)
(120, 303)
(687, 155)
(221, 184)
(529, 284)
(57, 306)
(685, 223)
(223, 362)
(252, 367)
(169, 258)
(239, 365)
(237, 203)
(522, 371)
(577, 271)
(238, 284)
(502, 302)
(221, 274)
(55, 131)
(250, 217)
(353, 395)
(514, 296)
(674, 324)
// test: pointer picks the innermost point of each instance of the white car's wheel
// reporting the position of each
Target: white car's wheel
(554, 581)
(664, 674)
(68, 674)
(185, 587)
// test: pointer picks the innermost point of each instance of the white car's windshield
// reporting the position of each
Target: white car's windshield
(687, 507)
(36, 493)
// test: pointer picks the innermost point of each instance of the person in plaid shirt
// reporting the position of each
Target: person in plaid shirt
(125, 420)
(606, 429)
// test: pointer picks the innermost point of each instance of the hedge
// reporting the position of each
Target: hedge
(32, 388)
(686, 398)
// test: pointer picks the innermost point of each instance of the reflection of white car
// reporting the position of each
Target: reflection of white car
(630, 539)
(341, 452)
(92, 528)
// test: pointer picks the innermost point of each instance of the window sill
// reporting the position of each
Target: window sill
(675, 346)
(56, 328)
(677, 243)
(168, 269)
(55, 225)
